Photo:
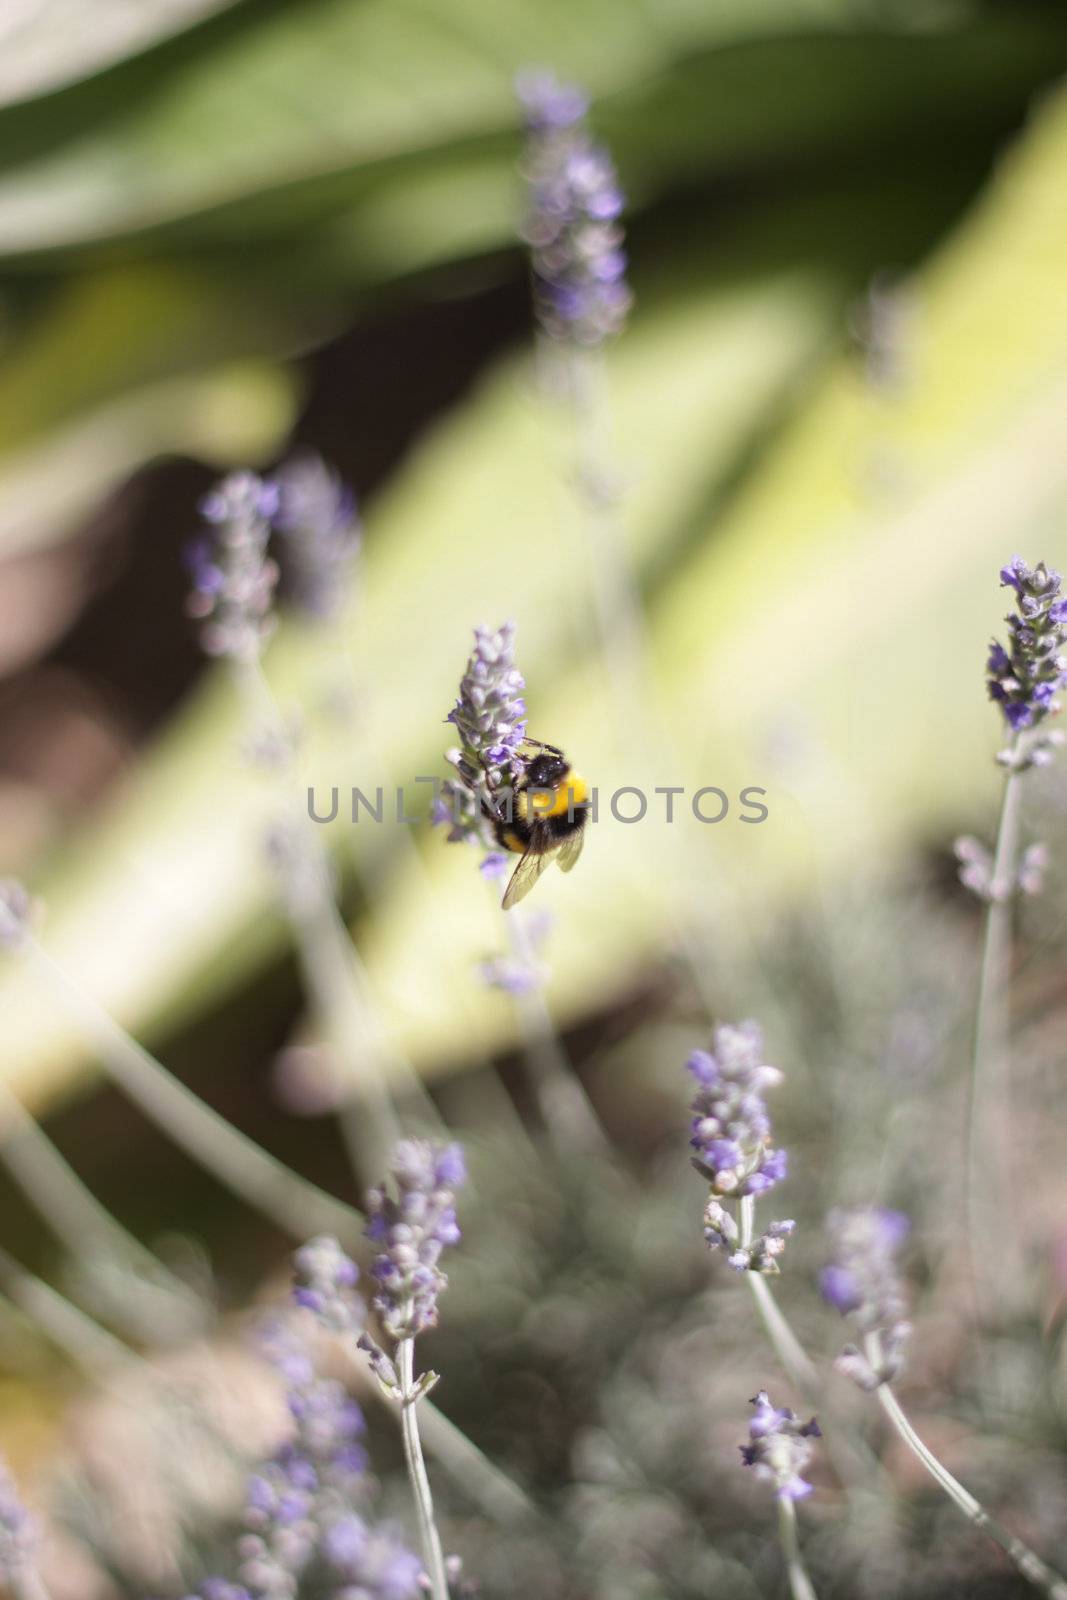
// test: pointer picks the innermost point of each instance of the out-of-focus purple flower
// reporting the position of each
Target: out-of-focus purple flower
(319, 522)
(490, 718)
(779, 1447)
(325, 1280)
(410, 1230)
(862, 1283)
(731, 1128)
(374, 1560)
(220, 1589)
(16, 907)
(976, 870)
(572, 226)
(1024, 678)
(731, 1136)
(322, 1465)
(233, 575)
(522, 972)
(19, 1536)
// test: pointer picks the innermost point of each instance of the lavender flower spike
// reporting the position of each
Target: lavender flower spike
(490, 718)
(410, 1232)
(16, 911)
(572, 227)
(233, 576)
(325, 1281)
(1023, 679)
(862, 1283)
(731, 1135)
(321, 533)
(779, 1447)
(18, 1537)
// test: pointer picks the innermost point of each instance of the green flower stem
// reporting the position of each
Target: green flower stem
(568, 1114)
(471, 1470)
(853, 1461)
(991, 1237)
(87, 1229)
(93, 1350)
(787, 1347)
(800, 1586)
(294, 1205)
(416, 1465)
(1022, 1558)
(334, 974)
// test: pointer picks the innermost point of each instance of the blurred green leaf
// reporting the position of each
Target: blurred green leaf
(284, 120)
(45, 44)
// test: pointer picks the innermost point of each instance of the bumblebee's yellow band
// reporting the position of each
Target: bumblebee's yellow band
(534, 803)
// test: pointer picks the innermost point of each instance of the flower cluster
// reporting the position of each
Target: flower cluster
(862, 1283)
(324, 1282)
(490, 717)
(16, 908)
(302, 1528)
(315, 1475)
(731, 1135)
(976, 870)
(411, 1230)
(523, 971)
(233, 576)
(18, 1536)
(779, 1447)
(1024, 679)
(318, 519)
(572, 226)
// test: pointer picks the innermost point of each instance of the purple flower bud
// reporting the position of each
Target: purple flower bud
(1024, 679)
(572, 228)
(410, 1230)
(779, 1447)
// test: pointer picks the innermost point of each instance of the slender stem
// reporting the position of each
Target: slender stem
(420, 1483)
(93, 1350)
(800, 1586)
(297, 1207)
(90, 1233)
(572, 1124)
(499, 1496)
(987, 1187)
(1024, 1560)
(784, 1342)
(333, 971)
(853, 1461)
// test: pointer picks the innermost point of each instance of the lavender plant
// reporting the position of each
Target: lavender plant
(315, 515)
(19, 1539)
(778, 1451)
(730, 1133)
(318, 521)
(233, 576)
(862, 1282)
(572, 227)
(307, 1523)
(1024, 677)
(410, 1225)
(490, 717)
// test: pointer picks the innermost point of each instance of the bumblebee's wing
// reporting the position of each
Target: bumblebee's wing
(524, 877)
(570, 850)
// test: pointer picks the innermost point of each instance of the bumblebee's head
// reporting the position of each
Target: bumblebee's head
(546, 771)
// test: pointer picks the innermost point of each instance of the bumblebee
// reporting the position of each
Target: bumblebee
(549, 811)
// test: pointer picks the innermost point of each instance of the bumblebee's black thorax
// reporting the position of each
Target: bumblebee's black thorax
(556, 807)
